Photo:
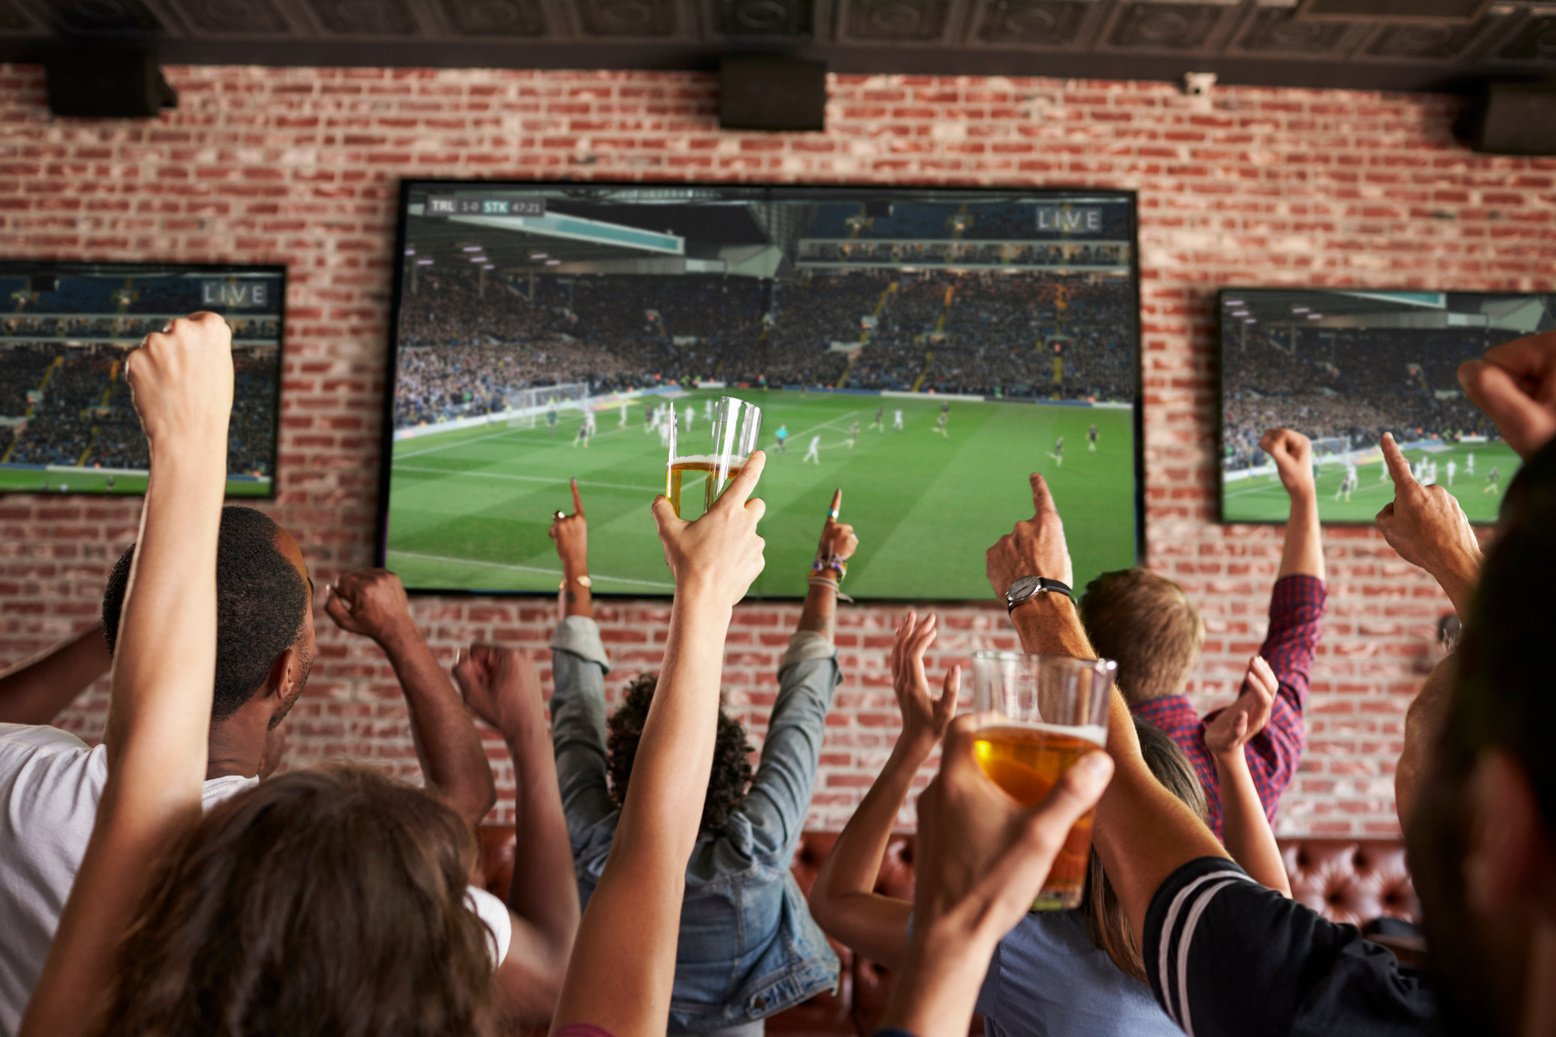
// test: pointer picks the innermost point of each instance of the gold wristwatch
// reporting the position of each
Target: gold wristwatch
(582, 581)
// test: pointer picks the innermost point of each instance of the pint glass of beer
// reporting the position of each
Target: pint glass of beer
(736, 428)
(1049, 711)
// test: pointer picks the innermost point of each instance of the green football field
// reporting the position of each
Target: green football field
(1262, 499)
(34, 480)
(469, 509)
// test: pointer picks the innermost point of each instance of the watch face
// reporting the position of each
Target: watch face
(584, 581)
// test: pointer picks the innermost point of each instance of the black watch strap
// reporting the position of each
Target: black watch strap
(1027, 587)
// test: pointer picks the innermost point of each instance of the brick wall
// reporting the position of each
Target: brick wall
(1253, 187)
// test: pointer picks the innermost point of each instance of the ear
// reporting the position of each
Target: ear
(1510, 860)
(284, 672)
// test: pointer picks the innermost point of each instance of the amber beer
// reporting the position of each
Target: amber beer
(1027, 760)
(712, 484)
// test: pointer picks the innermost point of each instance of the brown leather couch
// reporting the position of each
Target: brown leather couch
(1346, 880)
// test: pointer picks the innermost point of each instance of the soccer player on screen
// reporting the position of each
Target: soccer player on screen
(853, 433)
(878, 424)
(1091, 440)
(814, 453)
(1058, 454)
(1469, 465)
(686, 417)
(1493, 481)
(551, 418)
(1453, 469)
(1347, 484)
(896, 420)
(623, 422)
(783, 438)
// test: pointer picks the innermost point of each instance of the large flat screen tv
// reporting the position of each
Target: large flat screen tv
(67, 424)
(1343, 367)
(854, 317)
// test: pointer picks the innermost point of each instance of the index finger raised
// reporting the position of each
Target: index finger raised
(743, 485)
(837, 504)
(577, 500)
(1042, 498)
(1399, 468)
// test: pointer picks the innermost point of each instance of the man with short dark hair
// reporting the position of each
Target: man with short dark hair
(748, 945)
(1148, 626)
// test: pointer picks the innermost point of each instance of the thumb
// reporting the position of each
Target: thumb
(1077, 792)
(665, 517)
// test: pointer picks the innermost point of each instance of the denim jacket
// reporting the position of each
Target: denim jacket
(748, 946)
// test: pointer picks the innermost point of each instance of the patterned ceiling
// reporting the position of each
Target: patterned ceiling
(1386, 44)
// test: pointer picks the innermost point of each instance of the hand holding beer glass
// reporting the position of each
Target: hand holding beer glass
(736, 426)
(1047, 711)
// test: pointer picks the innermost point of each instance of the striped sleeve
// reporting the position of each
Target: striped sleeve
(1226, 956)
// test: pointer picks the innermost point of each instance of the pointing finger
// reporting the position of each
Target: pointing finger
(1042, 499)
(1399, 468)
(837, 504)
(577, 500)
(743, 485)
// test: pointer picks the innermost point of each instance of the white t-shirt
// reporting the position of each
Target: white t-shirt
(50, 784)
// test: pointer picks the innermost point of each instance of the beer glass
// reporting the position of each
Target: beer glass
(736, 428)
(1048, 712)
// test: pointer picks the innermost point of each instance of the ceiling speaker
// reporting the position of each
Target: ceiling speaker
(1512, 119)
(771, 92)
(104, 81)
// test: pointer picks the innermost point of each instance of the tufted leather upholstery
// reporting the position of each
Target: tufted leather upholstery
(1346, 880)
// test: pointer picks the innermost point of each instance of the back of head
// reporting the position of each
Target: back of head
(327, 901)
(1105, 915)
(1146, 624)
(731, 774)
(261, 605)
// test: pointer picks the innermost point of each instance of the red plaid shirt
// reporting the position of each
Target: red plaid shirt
(1296, 613)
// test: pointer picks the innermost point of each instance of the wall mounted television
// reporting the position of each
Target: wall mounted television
(853, 316)
(1345, 366)
(67, 424)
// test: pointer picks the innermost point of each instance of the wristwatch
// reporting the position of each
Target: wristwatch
(582, 581)
(1029, 586)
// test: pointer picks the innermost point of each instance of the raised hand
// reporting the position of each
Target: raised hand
(181, 382)
(1035, 547)
(571, 533)
(837, 538)
(719, 554)
(1515, 384)
(370, 602)
(1293, 457)
(924, 716)
(1237, 723)
(500, 685)
(1427, 527)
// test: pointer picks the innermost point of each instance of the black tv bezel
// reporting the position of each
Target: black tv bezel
(79, 267)
(847, 191)
(1220, 441)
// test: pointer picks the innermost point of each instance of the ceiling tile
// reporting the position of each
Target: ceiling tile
(365, 17)
(1050, 24)
(763, 19)
(1173, 27)
(1534, 41)
(232, 17)
(896, 21)
(654, 18)
(523, 18)
(1278, 32)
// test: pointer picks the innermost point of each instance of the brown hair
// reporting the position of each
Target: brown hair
(1104, 914)
(327, 901)
(1146, 624)
(728, 781)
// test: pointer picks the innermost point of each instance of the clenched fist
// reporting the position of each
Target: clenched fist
(181, 381)
(1293, 457)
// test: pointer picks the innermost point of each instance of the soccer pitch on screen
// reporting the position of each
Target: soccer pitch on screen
(470, 508)
(1480, 475)
(17, 479)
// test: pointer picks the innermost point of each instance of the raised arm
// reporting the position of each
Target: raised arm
(1245, 830)
(578, 669)
(1143, 833)
(372, 603)
(181, 381)
(807, 678)
(502, 687)
(1427, 527)
(982, 857)
(843, 899)
(623, 962)
(1303, 552)
(38, 690)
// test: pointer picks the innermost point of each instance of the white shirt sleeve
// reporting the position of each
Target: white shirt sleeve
(493, 913)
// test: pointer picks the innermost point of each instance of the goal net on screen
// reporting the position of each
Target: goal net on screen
(529, 407)
(1331, 449)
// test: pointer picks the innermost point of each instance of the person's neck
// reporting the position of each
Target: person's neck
(235, 747)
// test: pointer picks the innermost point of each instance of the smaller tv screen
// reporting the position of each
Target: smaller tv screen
(67, 424)
(1344, 367)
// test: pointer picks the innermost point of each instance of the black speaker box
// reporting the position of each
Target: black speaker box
(769, 92)
(1512, 119)
(97, 81)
